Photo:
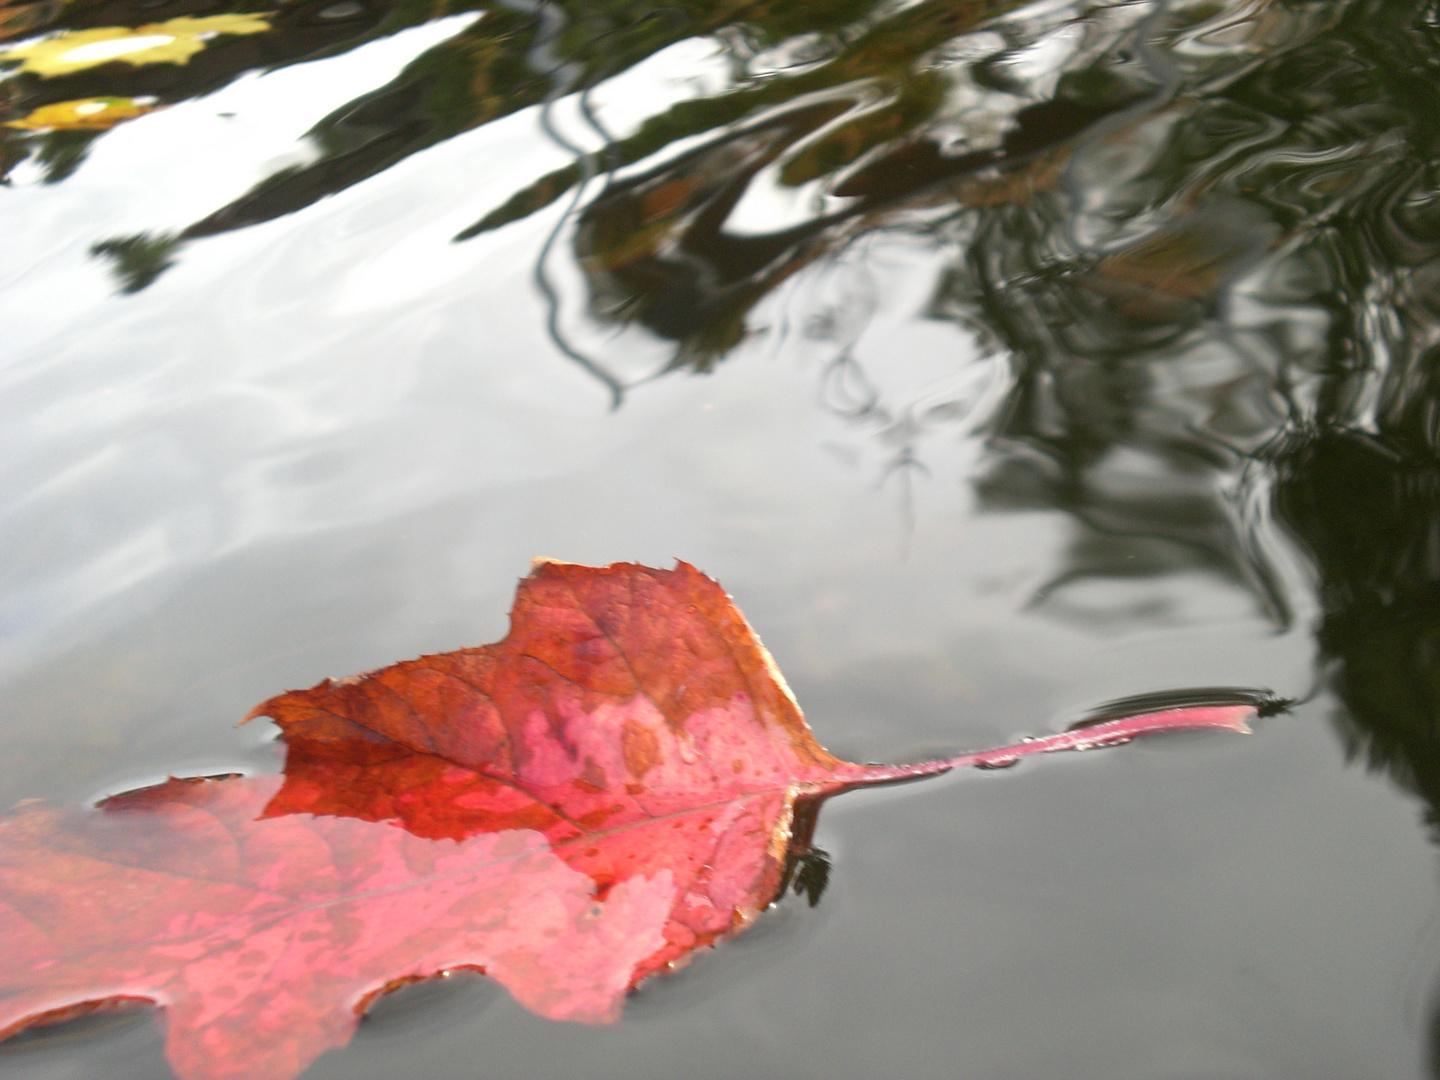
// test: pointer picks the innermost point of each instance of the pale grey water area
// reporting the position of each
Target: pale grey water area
(334, 439)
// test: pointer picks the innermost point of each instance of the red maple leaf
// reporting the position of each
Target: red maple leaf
(623, 779)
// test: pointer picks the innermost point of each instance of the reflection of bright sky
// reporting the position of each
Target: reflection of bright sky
(279, 340)
(99, 51)
(688, 69)
(348, 364)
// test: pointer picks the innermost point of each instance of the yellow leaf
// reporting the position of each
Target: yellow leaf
(90, 114)
(170, 42)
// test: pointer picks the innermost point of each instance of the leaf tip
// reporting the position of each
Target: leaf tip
(259, 710)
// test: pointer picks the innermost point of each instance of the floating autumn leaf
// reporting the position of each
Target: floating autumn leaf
(171, 42)
(623, 779)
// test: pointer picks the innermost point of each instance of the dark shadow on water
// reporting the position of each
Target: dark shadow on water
(111, 1020)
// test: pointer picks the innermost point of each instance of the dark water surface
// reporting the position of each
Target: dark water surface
(1000, 359)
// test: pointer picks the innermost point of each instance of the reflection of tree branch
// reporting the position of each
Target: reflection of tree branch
(848, 392)
(654, 246)
(542, 278)
(884, 52)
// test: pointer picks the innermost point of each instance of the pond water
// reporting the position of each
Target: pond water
(1000, 360)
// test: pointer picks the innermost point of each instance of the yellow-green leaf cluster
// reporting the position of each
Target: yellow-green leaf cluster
(171, 42)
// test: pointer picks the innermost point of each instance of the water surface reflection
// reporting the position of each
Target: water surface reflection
(1128, 306)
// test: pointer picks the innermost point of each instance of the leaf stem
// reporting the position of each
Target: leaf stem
(1091, 737)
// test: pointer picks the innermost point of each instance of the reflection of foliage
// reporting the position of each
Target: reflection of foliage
(655, 247)
(171, 42)
(489, 71)
(1368, 511)
(87, 114)
(60, 152)
(193, 50)
(510, 60)
(1246, 309)
(1126, 411)
(892, 52)
(139, 260)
